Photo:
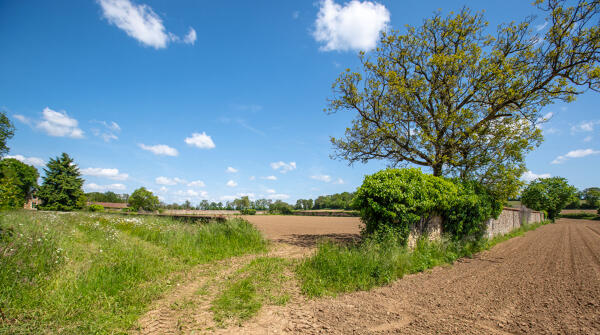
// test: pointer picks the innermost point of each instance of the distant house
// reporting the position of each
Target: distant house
(115, 206)
(32, 203)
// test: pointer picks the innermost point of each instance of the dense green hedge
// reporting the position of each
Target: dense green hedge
(397, 199)
(248, 211)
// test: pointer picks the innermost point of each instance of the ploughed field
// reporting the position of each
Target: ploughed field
(544, 282)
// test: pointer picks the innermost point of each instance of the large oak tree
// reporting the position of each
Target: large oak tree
(449, 96)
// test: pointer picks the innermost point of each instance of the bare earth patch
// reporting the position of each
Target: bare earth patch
(545, 282)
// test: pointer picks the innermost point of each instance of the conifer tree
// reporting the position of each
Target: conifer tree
(61, 188)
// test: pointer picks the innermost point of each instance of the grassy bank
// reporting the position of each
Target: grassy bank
(580, 216)
(337, 268)
(77, 273)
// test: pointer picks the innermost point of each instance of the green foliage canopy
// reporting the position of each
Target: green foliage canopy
(18, 182)
(7, 131)
(143, 199)
(591, 196)
(548, 194)
(448, 96)
(61, 188)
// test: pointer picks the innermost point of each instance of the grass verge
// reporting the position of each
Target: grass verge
(337, 268)
(248, 289)
(580, 216)
(78, 273)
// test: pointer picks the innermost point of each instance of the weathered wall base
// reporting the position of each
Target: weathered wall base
(510, 219)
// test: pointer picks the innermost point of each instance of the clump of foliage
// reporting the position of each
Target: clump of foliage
(143, 199)
(281, 207)
(550, 195)
(398, 199)
(61, 188)
(248, 211)
(18, 182)
(107, 196)
(95, 208)
(7, 131)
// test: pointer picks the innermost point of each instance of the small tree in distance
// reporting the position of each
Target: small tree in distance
(61, 188)
(143, 199)
(548, 194)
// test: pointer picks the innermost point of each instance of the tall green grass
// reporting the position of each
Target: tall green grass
(82, 273)
(377, 261)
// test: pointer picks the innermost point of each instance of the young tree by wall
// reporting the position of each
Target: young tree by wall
(18, 182)
(548, 194)
(143, 199)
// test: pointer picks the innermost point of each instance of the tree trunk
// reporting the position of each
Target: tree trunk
(437, 170)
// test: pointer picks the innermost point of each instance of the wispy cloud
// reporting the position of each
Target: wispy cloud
(585, 126)
(242, 123)
(269, 178)
(196, 183)
(160, 149)
(232, 183)
(96, 187)
(353, 26)
(201, 141)
(108, 132)
(105, 173)
(231, 170)
(530, 176)
(35, 161)
(169, 181)
(579, 153)
(23, 119)
(322, 177)
(142, 23)
(283, 167)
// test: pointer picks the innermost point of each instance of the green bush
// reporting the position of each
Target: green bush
(280, 207)
(126, 210)
(548, 194)
(397, 199)
(248, 211)
(96, 208)
(469, 211)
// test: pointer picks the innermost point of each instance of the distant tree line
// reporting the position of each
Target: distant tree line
(588, 198)
(108, 196)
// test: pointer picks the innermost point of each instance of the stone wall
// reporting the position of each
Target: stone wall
(508, 220)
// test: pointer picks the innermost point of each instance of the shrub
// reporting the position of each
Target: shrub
(126, 210)
(280, 207)
(469, 211)
(248, 211)
(397, 199)
(96, 208)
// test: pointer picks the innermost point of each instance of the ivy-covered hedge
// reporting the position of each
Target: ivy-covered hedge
(397, 199)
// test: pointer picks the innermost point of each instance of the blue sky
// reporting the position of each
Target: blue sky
(213, 100)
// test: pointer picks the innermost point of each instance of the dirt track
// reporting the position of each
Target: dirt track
(546, 282)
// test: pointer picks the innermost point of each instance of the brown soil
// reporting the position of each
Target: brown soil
(545, 282)
(306, 231)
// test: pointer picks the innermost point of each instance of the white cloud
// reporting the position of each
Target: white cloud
(231, 170)
(354, 26)
(201, 141)
(271, 191)
(231, 183)
(59, 124)
(339, 181)
(109, 131)
(283, 167)
(196, 183)
(160, 149)
(540, 27)
(586, 126)
(588, 138)
(106, 173)
(530, 176)
(322, 177)
(169, 181)
(579, 153)
(279, 196)
(23, 119)
(252, 178)
(96, 187)
(269, 178)
(192, 193)
(138, 21)
(35, 161)
(190, 38)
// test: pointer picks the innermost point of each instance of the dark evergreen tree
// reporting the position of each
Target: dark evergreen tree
(61, 188)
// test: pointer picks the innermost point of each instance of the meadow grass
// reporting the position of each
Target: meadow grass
(244, 293)
(77, 273)
(336, 268)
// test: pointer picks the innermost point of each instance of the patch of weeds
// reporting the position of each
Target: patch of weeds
(379, 260)
(258, 283)
(182, 305)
